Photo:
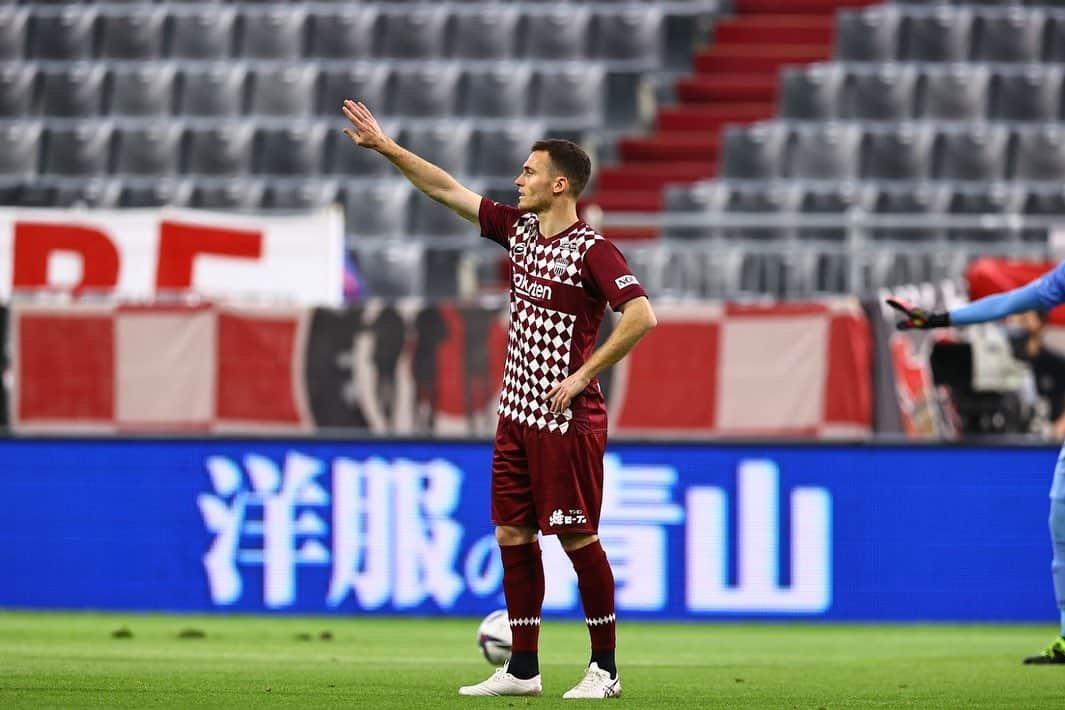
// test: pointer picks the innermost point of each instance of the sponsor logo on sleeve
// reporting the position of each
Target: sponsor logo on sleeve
(626, 280)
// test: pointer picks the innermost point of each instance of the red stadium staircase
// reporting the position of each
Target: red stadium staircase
(735, 81)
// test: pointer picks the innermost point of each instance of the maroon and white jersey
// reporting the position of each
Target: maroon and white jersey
(559, 289)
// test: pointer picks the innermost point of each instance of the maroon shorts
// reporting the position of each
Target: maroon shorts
(547, 480)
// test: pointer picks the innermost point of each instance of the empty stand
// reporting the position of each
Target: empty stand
(501, 92)
(502, 151)
(293, 151)
(632, 35)
(574, 94)
(377, 209)
(754, 152)
(1014, 34)
(135, 34)
(81, 150)
(971, 152)
(868, 34)
(1029, 93)
(20, 144)
(415, 32)
(73, 91)
(215, 90)
(811, 92)
(346, 32)
(484, 32)
(220, 150)
(428, 91)
(203, 32)
(824, 151)
(14, 27)
(232, 194)
(898, 152)
(954, 92)
(367, 83)
(557, 32)
(157, 193)
(283, 90)
(301, 195)
(16, 89)
(448, 145)
(885, 93)
(273, 32)
(936, 34)
(64, 35)
(1039, 153)
(142, 90)
(149, 150)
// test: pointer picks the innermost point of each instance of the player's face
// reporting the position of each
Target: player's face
(537, 183)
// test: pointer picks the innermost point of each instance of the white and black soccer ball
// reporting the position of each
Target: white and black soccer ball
(494, 637)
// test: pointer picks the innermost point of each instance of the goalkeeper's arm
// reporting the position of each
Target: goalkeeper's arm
(989, 308)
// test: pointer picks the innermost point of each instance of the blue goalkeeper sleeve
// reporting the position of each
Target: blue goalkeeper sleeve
(1000, 305)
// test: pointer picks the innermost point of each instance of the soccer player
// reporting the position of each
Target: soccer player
(1042, 294)
(547, 460)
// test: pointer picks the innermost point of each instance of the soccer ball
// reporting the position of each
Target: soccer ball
(493, 637)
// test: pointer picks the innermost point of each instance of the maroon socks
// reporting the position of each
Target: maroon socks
(596, 583)
(523, 587)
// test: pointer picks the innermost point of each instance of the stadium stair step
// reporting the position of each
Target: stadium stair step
(727, 87)
(796, 7)
(757, 58)
(643, 176)
(677, 145)
(712, 118)
(627, 200)
(778, 29)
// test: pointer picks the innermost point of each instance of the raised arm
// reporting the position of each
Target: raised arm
(430, 179)
(1025, 298)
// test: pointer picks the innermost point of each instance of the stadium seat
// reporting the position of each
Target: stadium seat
(344, 158)
(20, 144)
(273, 32)
(757, 198)
(896, 262)
(971, 152)
(574, 94)
(1042, 201)
(14, 27)
(936, 34)
(556, 32)
(1038, 153)
(301, 195)
(897, 152)
(176, 192)
(700, 197)
(984, 199)
(867, 35)
(502, 151)
(432, 219)
(884, 94)
(143, 90)
(346, 32)
(1014, 34)
(295, 150)
(810, 93)
(66, 35)
(761, 270)
(1029, 93)
(1055, 42)
(16, 89)
(221, 150)
(824, 151)
(154, 149)
(447, 145)
(484, 32)
(367, 83)
(753, 152)
(816, 268)
(96, 192)
(377, 209)
(242, 195)
(81, 150)
(216, 90)
(416, 33)
(428, 91)
(72, 91)
(393, 272)
(954, 92)
(202, 32)
(632, 33)
(500, 92)
(284, 90)
(136, 33)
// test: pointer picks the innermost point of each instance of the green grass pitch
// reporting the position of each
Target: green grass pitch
(51, 660)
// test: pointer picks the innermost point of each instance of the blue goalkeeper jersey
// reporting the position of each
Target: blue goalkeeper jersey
(1044, 293)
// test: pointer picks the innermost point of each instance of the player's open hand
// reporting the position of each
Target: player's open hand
(365, 131)
(562, 394)
(916, 318)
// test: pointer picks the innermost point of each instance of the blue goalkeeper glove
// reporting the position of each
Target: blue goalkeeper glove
(916, 318)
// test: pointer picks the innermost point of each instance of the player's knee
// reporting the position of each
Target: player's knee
(575, 541)
(514, 535)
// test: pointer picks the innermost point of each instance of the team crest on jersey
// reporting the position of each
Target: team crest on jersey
(559, 267)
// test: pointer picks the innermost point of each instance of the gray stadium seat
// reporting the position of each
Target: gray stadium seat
(295, 150)
(142, 90)
(484, 32)
(154, 149)
(20, 144)
(811, 92)
(243, 195)
(14, 27)
(284, 90)
(222, 150)
(502, 151)
(984, 199)
(1055, 42)
(753, 152)
(447, 145)
(936, 34)
(393, 272)
(573, 94)
(633, 33)
(367, 83)
(16, 89)
(501, 92)
(427, 91)
(81, 150)
(216, 90)
(898, 152)
(347, 159)
(821, 270)
(867, 35)
(432, 219)
(73, 91)
(971, 152)
(176, 192)
(1029, 93)
(760, 272)
(417, 33)
(301, 195)
(203, 32)
(273, 32)
(1042, 201)
(556, 32)
(886, 93)
(97, 193)
(954, 92)
(377, 209)
(346, 32)
(1011, 35)
(1039, 153)
(704, 197)
(824, 151)
(916, 198)
(136, 33)
(66, 35)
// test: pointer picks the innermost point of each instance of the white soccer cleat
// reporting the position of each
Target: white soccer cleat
(503, 683)
(596, 683)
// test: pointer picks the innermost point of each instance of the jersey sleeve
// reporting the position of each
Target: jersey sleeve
(497, 221)
(1050, 287)
(608, 272)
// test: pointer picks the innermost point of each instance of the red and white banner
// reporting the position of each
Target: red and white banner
(142, 254)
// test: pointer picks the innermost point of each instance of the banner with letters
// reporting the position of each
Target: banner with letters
(695, 531)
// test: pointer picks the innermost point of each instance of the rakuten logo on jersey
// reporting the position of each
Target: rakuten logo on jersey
(532, 289)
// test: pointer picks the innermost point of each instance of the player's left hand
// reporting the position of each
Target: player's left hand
(562, 394)
(916, 318)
